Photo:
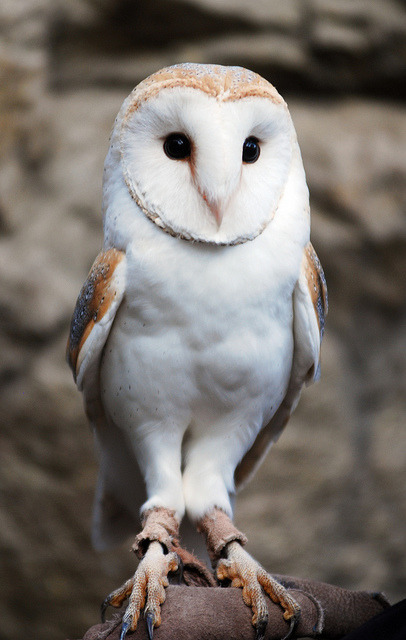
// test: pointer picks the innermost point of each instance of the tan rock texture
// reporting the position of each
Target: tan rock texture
(329, 503)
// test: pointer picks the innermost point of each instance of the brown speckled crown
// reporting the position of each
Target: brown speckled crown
(223, 83)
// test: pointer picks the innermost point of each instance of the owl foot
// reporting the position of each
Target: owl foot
(245, 572)
(147, 585)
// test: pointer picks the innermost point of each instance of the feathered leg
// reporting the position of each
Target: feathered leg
(146, 589)
(224, 544)
(160, 553)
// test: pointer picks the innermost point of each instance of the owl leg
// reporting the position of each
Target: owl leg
(146, 589)
(224, 544)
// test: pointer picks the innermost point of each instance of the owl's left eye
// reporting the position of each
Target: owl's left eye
(250, 150)
(177, 146)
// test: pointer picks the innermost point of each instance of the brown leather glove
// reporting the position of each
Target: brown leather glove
(194, 613)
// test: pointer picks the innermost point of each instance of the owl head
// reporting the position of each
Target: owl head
(204, 151)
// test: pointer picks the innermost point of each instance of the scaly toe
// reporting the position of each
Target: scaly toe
(244, 571)
(279, 594)
(157, 581)
(147, 584)
(116, 598)
(223, 570)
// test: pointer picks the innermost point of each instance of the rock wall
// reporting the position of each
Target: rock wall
(329, 502)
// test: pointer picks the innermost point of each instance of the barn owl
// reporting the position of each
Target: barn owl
(199, 323)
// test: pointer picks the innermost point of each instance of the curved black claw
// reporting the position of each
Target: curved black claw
(124, 629)
(294, 621)
(149, 617)
(181, 567)
(261, 628)
(103, 608)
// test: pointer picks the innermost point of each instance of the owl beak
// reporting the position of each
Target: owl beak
(215, 209)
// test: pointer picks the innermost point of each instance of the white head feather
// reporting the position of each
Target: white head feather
(212, 196)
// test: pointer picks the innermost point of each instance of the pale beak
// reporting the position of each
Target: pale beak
(215, 209)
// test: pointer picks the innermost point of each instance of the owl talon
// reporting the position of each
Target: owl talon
(180, 570)
(294, 621)
(245, 572)
(125, 626)
(146, 586)
(150, 624)
(261, 628)
(103, 608)
(116, 598)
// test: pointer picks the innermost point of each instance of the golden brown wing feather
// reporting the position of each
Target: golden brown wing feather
(94, 300)
(317, 285)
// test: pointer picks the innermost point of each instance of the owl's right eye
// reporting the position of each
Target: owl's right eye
(177, 146)
(250, 150)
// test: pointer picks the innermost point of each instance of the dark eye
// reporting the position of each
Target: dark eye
(177, 146)
(250, 150)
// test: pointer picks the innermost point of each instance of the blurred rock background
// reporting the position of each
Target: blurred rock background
(329, 503)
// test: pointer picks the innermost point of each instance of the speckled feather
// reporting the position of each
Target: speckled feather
(93, 302)
(317, 286)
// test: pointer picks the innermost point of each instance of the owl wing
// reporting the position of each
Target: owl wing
(94, 313)
(92, 320)
(310, 306)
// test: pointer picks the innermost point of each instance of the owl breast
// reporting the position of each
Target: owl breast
(203, 337)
